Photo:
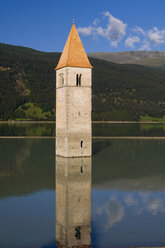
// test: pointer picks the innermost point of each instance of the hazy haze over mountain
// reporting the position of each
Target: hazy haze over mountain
(148, 58)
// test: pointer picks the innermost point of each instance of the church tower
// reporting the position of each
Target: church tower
(73, 100)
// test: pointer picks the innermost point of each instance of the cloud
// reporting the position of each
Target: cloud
(131, 201)
(156, 36)
(150, 38)
(114, 31)
(145, 45)
(96, 22)
(130, 41)
(139, 30)
(85, 31)
(114, 211)
(156, 206)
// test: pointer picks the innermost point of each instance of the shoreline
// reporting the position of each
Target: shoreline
(94, 122)
(94, 137)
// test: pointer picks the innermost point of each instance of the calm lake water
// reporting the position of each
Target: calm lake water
(104, 130)
(115, 199)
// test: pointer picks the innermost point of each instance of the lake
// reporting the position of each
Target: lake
(114, 199)
(98, 129)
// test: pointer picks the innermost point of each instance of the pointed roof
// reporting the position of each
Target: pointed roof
(73, 54)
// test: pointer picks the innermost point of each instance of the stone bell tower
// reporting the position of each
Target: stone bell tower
(73, 100)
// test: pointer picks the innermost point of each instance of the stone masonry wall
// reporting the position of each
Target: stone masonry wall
(73, 113)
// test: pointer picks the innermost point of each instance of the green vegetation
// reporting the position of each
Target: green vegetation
(120, 92)
(126, 92)
(29, 111)
(150, 118)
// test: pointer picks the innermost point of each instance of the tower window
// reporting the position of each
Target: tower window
(81, 143)
(78, 232)
(61, 80)
(78, 79)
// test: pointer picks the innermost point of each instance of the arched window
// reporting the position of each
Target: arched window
(81, 143)
(78, 79)
(61, 80)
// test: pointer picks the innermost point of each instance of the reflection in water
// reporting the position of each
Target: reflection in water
(98, 146)
(98, 129)
(26, 166)
(27, 129)
(128, 195)
(114, 211)
(73, 202)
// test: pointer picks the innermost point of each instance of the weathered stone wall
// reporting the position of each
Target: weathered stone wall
(73, 201)
(73, 113)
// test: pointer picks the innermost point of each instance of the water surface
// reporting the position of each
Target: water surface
(123, 186)
(99, 129)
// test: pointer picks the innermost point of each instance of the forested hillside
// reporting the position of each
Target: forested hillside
(120, 92)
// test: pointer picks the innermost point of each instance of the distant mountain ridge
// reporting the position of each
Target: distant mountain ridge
(147, 58)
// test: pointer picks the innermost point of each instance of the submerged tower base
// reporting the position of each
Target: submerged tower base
(73, 146)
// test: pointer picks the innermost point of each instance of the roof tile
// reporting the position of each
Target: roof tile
(73, 54)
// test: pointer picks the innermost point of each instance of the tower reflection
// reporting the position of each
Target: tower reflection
(73, 202)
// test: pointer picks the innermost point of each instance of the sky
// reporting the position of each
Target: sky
(103, 25)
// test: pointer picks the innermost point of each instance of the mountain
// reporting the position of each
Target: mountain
(147, 58)
(120, 91)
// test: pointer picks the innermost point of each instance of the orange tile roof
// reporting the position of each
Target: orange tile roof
(73, 54)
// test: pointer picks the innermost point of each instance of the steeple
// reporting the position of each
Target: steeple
(73, 54)
(73, 100)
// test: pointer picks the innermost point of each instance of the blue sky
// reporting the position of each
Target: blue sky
(103, 25)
